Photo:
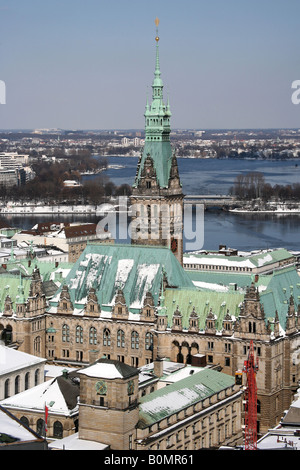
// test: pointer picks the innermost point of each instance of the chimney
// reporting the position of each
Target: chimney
(158, 368)
(93, 355)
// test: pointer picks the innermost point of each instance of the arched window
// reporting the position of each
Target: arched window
(25, 421)
(149, 341)
(258, 406)
(65, 334)
(6, 388)
(93, 335)
(17, 384)
(121, 339)
(79, 334)
(37, 377)
(37, 345)
(106, 337)
(57, 430)
(27, 376)
(134, 340)
(40, 427)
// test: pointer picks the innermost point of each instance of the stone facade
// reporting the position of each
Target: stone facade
(69, 336)
(207, 424)
(110, 411)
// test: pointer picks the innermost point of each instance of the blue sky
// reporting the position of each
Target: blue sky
(89, 64)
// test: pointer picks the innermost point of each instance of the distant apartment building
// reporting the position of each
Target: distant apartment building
(135, 142)
(14, 170)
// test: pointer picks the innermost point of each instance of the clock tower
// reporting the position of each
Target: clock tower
(108, 407)
(157, 198)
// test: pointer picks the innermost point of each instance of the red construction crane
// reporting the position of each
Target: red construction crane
(251, 368)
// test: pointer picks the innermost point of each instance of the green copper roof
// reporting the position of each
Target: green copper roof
(161, 154)
(275, 290)
(179, 395)
(10, 285)
(207, 279)
(283, 284)
(47, 268)
(203, 301)
(134, 269)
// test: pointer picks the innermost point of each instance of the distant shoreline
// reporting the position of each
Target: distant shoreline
(265, 211)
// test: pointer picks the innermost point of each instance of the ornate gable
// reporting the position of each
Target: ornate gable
(65, 305)
(92, 307)
(148, 310)
(120, 310)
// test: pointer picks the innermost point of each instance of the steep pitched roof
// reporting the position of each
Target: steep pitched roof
(60, 395)
(134, 269)
(161, 154)
(283, 284)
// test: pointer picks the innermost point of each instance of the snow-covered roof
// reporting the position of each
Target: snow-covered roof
(109, 369)
(179, 395)
(13, 360)
(52, 371)
(251, 261)
(73, 442)
(35, 398)
(136, 270)
(12, 427)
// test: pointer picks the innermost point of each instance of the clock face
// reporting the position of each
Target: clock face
(101, 387)
(130, 387)
(174, 245)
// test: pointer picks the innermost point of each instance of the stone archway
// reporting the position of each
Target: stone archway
(177, 355)
(194, 349)
(5, 334)
(186, 351)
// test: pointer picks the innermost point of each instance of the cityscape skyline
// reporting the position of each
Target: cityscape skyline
(87, 66)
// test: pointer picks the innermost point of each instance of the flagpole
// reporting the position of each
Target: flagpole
(46, 419)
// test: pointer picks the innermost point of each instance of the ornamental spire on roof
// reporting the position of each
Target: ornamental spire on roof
(157, 79)
(157, 183)
(157, 130)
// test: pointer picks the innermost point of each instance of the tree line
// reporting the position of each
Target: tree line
(253, 186)
(48, 184)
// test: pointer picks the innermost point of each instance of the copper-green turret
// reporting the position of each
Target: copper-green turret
(157, 130)
(157, 198)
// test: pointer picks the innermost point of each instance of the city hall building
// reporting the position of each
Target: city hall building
(136, 303)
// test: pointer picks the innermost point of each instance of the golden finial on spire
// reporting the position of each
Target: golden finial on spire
(156, 23)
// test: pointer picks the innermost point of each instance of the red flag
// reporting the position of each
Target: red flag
(46, 417)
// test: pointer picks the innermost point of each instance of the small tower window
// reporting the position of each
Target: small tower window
(148, 184)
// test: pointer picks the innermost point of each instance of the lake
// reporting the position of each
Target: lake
(211, 176)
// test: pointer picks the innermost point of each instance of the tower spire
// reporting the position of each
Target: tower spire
(157, 182)
(157, 85)
(157, 67)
